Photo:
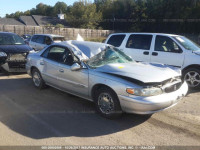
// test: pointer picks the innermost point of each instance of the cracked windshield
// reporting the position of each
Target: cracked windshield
(109, 56)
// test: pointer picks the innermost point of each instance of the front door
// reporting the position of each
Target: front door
(40, 43)
(167, 51)
(75, 82)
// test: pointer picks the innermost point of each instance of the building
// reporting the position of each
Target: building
(10, 21)
(35, 20)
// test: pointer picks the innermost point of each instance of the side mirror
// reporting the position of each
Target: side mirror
(75, 67)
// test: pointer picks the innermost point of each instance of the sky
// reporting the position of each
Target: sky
(11, 6)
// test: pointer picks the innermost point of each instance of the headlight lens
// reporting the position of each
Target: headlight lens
(2, 54)
(145, 91)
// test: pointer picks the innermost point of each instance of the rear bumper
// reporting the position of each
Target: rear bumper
(153, 104)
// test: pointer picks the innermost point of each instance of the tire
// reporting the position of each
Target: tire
(192, 77)
(111, 109)
(37, 79)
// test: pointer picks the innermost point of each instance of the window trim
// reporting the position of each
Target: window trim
(140, 35)
(180, 49)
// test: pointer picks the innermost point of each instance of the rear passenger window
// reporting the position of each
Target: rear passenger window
(142, 42)
(116, 40)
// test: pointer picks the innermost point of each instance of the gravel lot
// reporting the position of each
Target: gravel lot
(29, 116)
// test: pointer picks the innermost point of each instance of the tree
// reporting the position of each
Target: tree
(59, 26)
(41, 9)
(126, 15)
(60, 7)
(15, 15)
(83, 14)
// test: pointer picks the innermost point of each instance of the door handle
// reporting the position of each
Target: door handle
(61, 70)
(146, 53)
(155, 54)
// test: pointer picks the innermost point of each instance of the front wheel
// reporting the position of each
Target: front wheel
(37, 79)
(107, 103)
(192, 77)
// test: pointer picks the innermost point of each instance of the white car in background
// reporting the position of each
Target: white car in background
(174, 50)
(40, 41)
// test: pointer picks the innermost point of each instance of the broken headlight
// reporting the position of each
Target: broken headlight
(3, 54)
(153, 91)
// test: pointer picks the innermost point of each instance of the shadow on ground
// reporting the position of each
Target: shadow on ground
(51, 113)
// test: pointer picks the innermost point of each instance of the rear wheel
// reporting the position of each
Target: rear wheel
(192, 77)
(107, 103)
(37, 79)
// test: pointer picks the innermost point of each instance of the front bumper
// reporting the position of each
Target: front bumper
(14, 66)
(15, 62)
(153, 104)
(28, 69)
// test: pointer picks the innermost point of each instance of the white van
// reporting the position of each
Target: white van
(174, 50)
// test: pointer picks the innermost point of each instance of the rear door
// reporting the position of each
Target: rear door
(32, 42)
(167, 51)
(40, 42)
(138, 46)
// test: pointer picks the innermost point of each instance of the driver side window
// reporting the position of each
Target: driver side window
(166, 44)
(59, 54)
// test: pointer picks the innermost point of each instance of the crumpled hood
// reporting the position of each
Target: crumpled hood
(145, 72)
(15, 48)
(196, 52)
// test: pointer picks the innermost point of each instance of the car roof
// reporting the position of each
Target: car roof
(9, 33)
(51, 35)
(166, 34)
(89, 49)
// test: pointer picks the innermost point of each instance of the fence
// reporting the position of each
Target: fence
(69, 33)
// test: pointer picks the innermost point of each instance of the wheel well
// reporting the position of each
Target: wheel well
(98, 86)
(191, 66)
(33, 67)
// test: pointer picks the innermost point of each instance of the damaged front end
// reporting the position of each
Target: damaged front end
(3, 57)
(153, 89)
(15, 62)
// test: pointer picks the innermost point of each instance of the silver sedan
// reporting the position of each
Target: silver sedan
(105, 75)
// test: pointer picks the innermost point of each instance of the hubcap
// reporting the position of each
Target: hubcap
(105, 103)
(36, 79)
(192, 78)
